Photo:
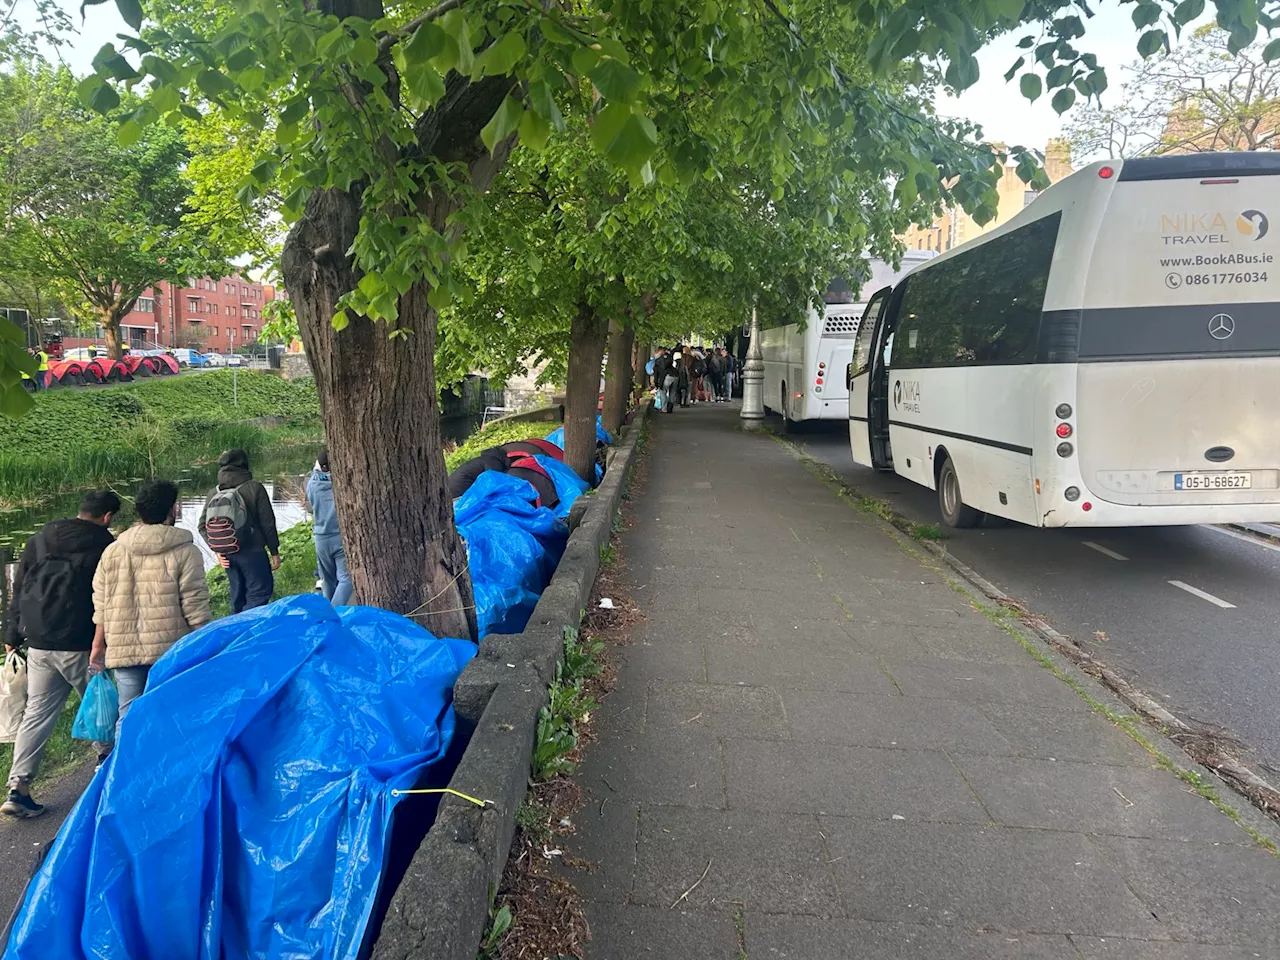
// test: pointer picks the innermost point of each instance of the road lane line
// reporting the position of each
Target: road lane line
(1101, 549)
(1257, 541)
(1202, 595)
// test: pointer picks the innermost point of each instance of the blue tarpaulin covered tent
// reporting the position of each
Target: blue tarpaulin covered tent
(556, 436)
(513, 548)
(246, 809)
(569, 486)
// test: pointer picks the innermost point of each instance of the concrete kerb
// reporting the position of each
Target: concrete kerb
(1112, 693)
(440, 910)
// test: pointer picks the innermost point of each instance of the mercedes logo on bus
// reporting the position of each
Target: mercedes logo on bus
(897, 394)
(1221, 326)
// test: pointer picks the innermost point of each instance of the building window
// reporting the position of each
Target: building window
(193, 305)
(215, 331)
(145, 305)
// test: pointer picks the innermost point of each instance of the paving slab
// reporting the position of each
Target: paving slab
(659, 764)
(604, 847)
(842, 780)
(1090, 949)
(1071, 731)
(722, 709)
(995, 878)
(628, 932)
(892, 721)
(1202, 891)
(1126, 801)
(976, 682)
(772, 862)
(807, 938)
(836, 671)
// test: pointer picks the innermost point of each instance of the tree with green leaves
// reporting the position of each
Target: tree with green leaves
(1199, 96)
(91, 221)
(389, 122)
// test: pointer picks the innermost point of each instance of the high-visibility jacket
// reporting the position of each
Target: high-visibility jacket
(44, 360)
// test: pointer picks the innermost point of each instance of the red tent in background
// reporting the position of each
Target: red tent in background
(66, 373)
(163, 363)
(107, 371)
(138, 366)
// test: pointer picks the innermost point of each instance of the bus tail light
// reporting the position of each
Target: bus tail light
(1063, 411)
(1106, 173)
(1086, 506)
(1064, 430)
(1065, 449)
(1072, 493)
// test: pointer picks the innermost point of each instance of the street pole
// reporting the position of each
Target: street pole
(753, 375)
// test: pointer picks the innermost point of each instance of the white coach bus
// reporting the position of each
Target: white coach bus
(804, 365)
(1109, 357)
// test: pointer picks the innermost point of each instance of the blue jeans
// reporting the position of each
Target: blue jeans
(251, 580)
(130, 683)
(333, 570)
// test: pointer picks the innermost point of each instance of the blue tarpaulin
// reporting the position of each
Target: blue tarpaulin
(246, 809)
(556, 436)
(569, 486)
(513, 548)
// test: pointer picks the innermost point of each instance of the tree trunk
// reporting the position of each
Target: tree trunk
(617, 375)
(111, 333)
(640, 353)
(378, 399)
(582, 390)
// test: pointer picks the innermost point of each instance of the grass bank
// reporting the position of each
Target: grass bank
(77, 437)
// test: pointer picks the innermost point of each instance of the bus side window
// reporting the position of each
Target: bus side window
(866, 330)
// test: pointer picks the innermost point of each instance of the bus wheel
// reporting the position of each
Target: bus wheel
(954, 511)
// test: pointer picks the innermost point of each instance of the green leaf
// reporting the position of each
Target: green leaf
(424, 82)
(627, 139)
(336, 44)
(502, 124)
(371, 285)
(615, 80)
(165, 98)
(500, 58)
(339, 321)
(439, 297)
(242, 59)
(1017, 65)
(1031, 87)
(1063, 99)
(1026, 42)
(1010, 9)
(1150, 42)
(1187, 11)
(96, 94)
(109, 63)
(427, 42)
(543, 100)
(584, 59)
(534, 130)
(1145, 14)
(962, 72)
(129, 133)
(286, 133)
(454, 23)
(161, 69)
(1059, 76)
(553, 31)
(15, 401)
(130, 12)
(1271, 51)
(214, 84)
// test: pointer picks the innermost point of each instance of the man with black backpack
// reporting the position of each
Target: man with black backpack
(52, 615)
(239, 524)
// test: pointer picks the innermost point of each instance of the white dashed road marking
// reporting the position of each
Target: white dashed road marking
(1202, 595)
(1101, 549)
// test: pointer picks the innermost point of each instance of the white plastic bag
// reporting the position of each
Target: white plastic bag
(13, 696)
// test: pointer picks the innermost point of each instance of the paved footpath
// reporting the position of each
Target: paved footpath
(818, 749)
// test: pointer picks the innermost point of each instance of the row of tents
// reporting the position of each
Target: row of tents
(76, 373)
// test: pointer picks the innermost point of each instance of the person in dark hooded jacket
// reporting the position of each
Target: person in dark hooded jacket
(52, 615)
(248, 569)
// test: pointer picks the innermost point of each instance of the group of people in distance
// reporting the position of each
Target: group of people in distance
(687, 375)
(84, 600)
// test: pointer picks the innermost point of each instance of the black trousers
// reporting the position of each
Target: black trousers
(252, 582)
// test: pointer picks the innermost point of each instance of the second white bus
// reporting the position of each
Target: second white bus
(804, 364)
(1108, 357)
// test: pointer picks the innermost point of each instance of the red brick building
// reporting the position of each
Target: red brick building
(208, 314)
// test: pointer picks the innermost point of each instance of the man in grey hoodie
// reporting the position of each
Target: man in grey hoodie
(329, 554)
(248, 569)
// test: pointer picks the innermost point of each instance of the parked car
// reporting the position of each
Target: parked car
(191, 358)
(215, 360)
(235, 360)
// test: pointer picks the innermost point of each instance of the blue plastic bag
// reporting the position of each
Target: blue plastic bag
(657, 399)
(99, 710)
(246, 809)
(513, 548)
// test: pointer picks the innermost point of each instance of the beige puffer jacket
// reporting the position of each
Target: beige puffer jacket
(149, 591)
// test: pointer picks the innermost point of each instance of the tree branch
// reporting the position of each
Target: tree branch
(389, 40)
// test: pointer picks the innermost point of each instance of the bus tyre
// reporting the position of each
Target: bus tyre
(954, 511)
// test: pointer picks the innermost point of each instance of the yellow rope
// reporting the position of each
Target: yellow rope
(457, 793)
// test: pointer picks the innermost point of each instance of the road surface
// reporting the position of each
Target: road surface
(1189, 614)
